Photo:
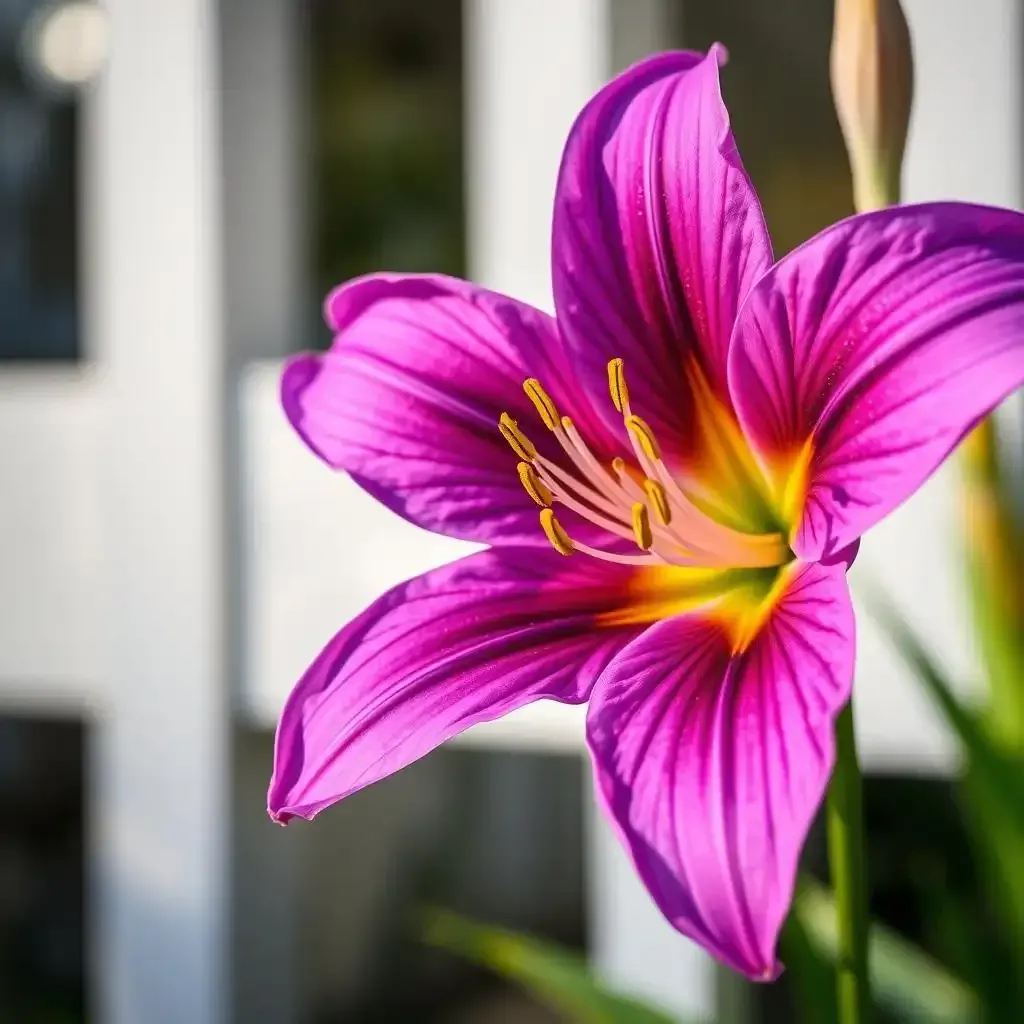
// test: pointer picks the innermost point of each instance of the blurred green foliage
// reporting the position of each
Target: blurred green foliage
(990, 790)
(386, 164)
(556, 976)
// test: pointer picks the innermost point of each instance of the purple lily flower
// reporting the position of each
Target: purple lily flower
(706, 433)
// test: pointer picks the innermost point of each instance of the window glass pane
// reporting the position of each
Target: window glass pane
(494, 836)
(41, 871)
(386, 145)
(38, 208)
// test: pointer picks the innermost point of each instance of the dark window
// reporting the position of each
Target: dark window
(386, 138)
(776, 85)
(925, 885)
(38, 205)
(41, 871)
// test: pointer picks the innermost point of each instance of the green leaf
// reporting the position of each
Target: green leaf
(903, 978)
(993, 783)
(1000, 773)
(994, 547)
(1001, 646)
(553, 975)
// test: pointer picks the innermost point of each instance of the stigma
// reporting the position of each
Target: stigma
(636, 500)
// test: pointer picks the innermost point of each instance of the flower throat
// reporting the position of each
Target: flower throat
(641, 504)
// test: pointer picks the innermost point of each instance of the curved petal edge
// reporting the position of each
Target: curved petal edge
(712, 765)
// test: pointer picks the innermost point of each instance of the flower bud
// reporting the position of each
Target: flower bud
(873, 84)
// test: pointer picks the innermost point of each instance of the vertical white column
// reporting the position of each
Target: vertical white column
(531, 65)
(967, 129)
(160, 779)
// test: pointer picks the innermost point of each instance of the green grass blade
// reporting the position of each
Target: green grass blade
(555, 976)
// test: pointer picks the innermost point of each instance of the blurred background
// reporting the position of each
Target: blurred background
(181, 181)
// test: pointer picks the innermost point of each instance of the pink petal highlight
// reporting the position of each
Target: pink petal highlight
(658, 235)
(883, 340)
(713, 766)
(460, 645)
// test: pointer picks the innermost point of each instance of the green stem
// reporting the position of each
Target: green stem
(846, 863)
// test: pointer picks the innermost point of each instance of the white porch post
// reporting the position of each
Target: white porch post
(160, 780)
(530, 67)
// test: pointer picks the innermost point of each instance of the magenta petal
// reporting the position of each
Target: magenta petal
(462, 644)
(658, 234)
(884, 339)
(407, 400)
(713, 766)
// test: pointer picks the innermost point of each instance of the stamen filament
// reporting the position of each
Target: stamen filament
(651, 510)
(740, 550)
(585, 459)
(648, 454)
(728, 546)
(695, 555)
(557, 479)
(611, 556)
(563, 497)
(564, 545)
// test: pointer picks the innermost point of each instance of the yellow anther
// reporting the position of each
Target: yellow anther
(619, 466)
(517, 440)
(555, 532)
(534, 486)
(542, 401)
(566, 423)
(642, 526)
(617, 384)
(641, 430)
(659, 501)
